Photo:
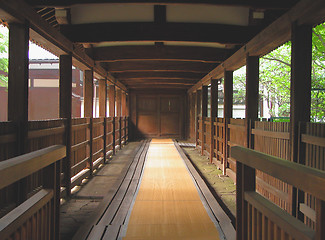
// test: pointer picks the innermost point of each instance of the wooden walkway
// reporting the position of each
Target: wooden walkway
(166, 199)
(168, 205)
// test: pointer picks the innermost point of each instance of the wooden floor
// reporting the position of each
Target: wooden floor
(168, 205)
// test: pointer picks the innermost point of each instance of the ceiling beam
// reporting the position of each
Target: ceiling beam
(261, 4)
(166, 75)
(310, 12)
(159, 86)
(175, 53)
(159, 80)
(145, 66)
(149, 31)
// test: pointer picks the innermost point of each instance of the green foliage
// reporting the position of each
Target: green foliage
(275, 72)
(3, 59)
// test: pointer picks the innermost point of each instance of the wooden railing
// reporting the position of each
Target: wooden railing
(92, 142)
(38, 216)
(259, 218)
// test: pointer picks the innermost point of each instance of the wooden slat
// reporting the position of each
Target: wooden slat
(13, 169)
(280, 135)
(45, 132)
(237, 127)
(308, 179)
(318, 141)
(79, 145)
(307, 211)
(290, 224)
(18, 216)
(8, 138)
(80, 126)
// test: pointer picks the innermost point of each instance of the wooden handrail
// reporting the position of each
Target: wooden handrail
(308, 179)
(16, 168)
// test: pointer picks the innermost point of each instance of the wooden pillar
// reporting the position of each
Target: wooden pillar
(245, 176)
(101, 97)
(227, 114)
(18, 92)
(66, 112)
(18, 82)
(204, 113)
(118, 114)
(88, 110)
(213, 115)
(300, 101)
(196, 116)
(111, 98)
(252, 94)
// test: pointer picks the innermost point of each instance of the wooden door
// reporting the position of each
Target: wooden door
(159, 116)
(170, 116)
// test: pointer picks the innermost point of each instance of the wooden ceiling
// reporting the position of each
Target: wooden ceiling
(160, 44)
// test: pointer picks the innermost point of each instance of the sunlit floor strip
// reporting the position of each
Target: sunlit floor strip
(168, 205)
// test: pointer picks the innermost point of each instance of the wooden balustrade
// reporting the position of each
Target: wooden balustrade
(38, 216)
(91, 145)
(258, 217)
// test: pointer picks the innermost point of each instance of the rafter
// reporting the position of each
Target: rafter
(174, 53)
(158, 66)
(148, 31)
(165, 75)
(261, 4)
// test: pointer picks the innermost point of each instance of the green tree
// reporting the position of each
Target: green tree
(3, 59)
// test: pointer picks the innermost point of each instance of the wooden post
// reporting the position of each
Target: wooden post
(252, 95)
(102, 96)
(66, 112)
(227, 109)
(118, 113)
(204, 111)
(320, 219)
(196, 116)
(111, 98)
(123, 116)
(18, 92)
(88, 110)
(301, 59)
(213, 115)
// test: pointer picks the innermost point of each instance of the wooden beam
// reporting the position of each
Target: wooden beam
(111, 102)
(66, 112)
(88, 93)
(149, 31)
(159, 74)
(40, 31)
(213, 115)
(154, 66)
(131, 81)
(275, 4)
(172, 53)
(277, 33)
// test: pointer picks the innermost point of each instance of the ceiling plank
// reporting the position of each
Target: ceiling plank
(175, 53)
(159, 86)
(261, 4)
(149, 31)
(142, 66)
(158, 80)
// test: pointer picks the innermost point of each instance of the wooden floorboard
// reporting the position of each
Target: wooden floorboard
(168, 205)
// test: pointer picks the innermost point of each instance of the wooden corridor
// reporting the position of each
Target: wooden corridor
(168, 205)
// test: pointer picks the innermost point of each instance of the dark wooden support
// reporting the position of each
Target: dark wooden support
(160, 14)
(252, 95)
(227, 106)
(301, 58)
(105, 123)
(101, 96)
(213, 115)
(118, 113)
(66, 112)
(111, 98)
(18, 92)
(88, 110)
(204, 114)
(197, 114)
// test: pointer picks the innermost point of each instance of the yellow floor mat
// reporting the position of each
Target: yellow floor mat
(168, 205)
